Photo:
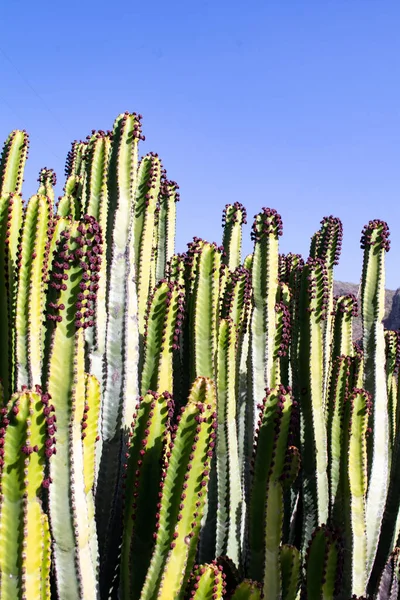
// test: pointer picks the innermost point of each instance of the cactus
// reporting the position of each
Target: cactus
(234, 216)
(229, 489)
(31, 290)
(47, 180)
(375, 243)
(121, 351)
(12, 163)
(143, 473)
(166, 222)
(207, 581)
(183, 495)
(117, 496)
(72, 532)
(322, 564)
(26, 443)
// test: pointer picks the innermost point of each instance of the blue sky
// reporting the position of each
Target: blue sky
(291, 104)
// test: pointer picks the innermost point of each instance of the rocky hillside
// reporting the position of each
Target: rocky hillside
(392, 306)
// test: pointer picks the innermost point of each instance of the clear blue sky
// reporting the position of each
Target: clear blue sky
(292, 104)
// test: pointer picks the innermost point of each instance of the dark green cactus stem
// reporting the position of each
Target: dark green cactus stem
(389, 585)
(12, 162)
(281, 346)
(11, 211)
(290, 563)
(169, 196)
(322, 565)
(184, 489)
(236, 297)
(392, 339)
(389, 536)
(312, 312)
(146, 197)
(354, 490)
(70, 205)
(247, 590)
(97, 157)
(75, 164)
(229, 489)
(326, 245)
(345, 309)
(269, 467)
(340, 387)
(30, 303)
(145, 467)
(26, 442)
(375, 243)
(267, 228)
(72, 278)
(161, 337)
(207, 583)
(121, 357)
(47, 180)
(233, 218)
(272, 579)
(175, 269)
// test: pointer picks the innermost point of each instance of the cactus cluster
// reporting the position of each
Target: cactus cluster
(186, 426)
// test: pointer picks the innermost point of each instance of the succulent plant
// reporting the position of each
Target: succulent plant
(192, 425)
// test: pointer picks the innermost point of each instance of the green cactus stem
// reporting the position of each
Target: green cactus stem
(75, 163)
(267, 228)
(392, 339)
(234, 216)
(375, 243)
(90, 429)
(120, 383)
(310, 381)
(145, 467)
(161, 337)
(11, 214)
(183, 493)
(270, 457)
(146, 197)
(72, 281)
(47, 180)
(322, 565)
(207, 583)
(326, 245)
(96, 205)
(166, 225)
(247, 590)
(26, 443)
(31, 289)
(204, 261)
(236, 297)
(175, 270)
(345, 309)
(12, 162)
(290, 563)
(97, 158)
(354, 490)
(229, 488)
(70, 205)
(340, 387)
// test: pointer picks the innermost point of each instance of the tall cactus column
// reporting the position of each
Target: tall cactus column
(122, 351)
(73, 280)
(375, 242)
